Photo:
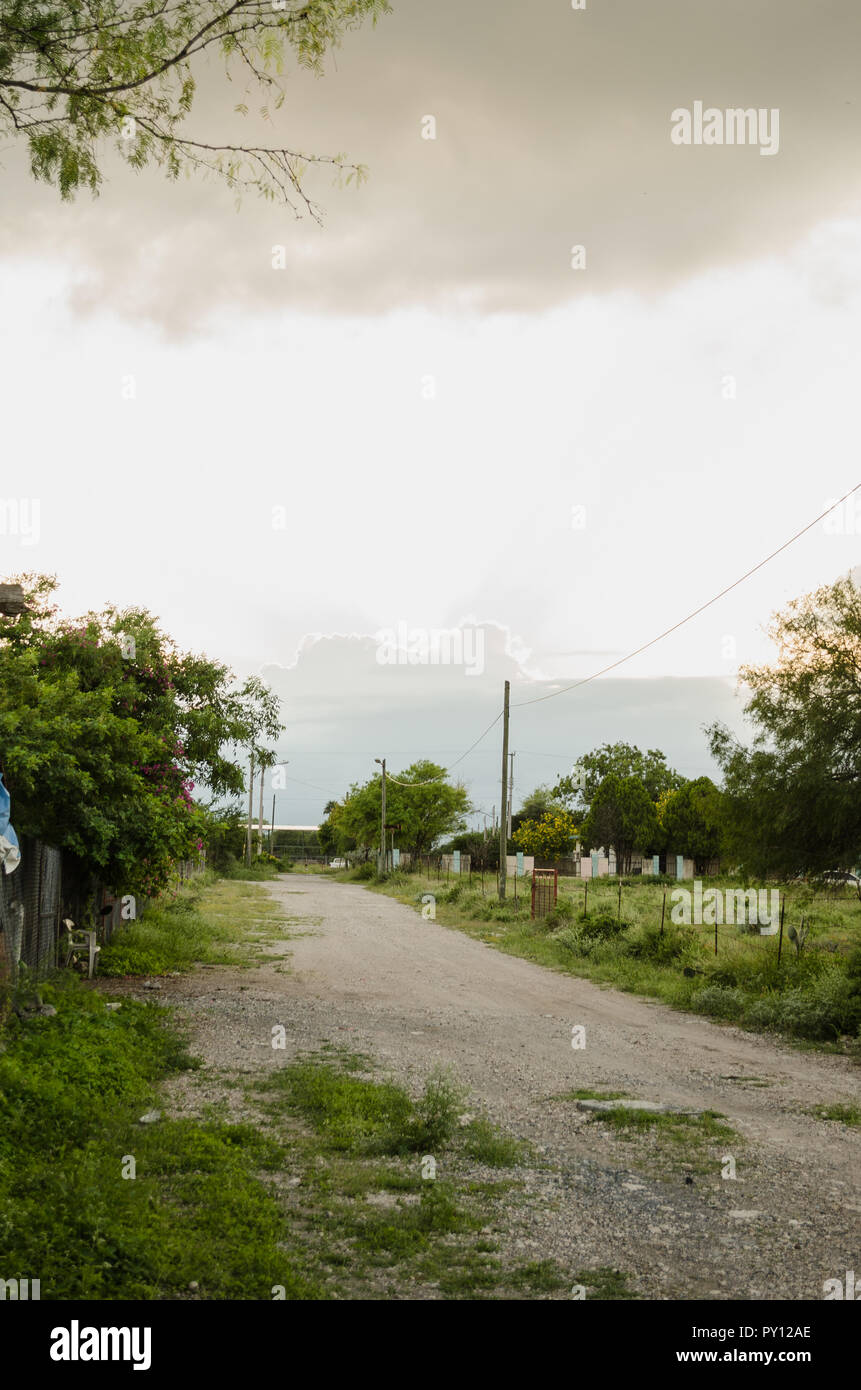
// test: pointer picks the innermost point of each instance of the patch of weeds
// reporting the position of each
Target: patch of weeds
(679, 1128)
(605, 1284)
(590, 1095)
(486, 1143)
(388, 1225)
(350, 1114)
(542, 1276)
(410, 1227)
(433, 1120)
(843, 1114)
(670, 1137)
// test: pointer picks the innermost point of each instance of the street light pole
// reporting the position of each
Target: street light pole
(285, 762)
(250, 810)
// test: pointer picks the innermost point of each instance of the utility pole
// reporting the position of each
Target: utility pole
(250, 811)
(272, 828)
(383, 853)
(260, 816)
(503, 814)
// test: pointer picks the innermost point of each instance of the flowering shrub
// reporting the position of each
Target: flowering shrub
(106, 729)
(551, 837)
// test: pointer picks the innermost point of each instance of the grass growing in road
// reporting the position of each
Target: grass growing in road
(396, 1178)
(606, 1284)
(223, 922)
(671, 1143)
(813, 995)
(842, 1114)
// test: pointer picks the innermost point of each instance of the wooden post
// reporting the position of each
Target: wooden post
(780, 933)
(620, 898)
(663, 910)
(585, 896)
(503, 814)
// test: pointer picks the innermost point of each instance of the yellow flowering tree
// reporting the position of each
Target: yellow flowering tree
(551, 837)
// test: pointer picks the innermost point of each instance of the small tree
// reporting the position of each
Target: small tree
(692, 819)
(620, 760)
(622, 815)
(106, 728)
(427, 807)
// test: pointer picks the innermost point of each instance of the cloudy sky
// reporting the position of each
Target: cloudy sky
(429, 416)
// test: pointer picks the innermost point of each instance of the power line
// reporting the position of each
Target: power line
(703, 606)
(539, 699)
(477, 742)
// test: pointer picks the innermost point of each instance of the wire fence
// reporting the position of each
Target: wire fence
(35, 899)
(30, 903)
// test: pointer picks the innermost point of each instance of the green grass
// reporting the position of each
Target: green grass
(72, 1090)
(389, 1224)
(842, 1114)
(814, 997)
(669, 1144)
(590, 1095)
(605, 1284)
(227, 922)
(679, 1129)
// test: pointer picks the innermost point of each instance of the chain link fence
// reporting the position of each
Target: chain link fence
(33, 903)
(30, 907)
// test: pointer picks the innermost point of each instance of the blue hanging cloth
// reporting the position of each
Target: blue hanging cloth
(10, 854)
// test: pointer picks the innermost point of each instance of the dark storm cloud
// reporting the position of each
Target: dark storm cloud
(553, 129)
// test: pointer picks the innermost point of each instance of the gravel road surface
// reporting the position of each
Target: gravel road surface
(368, 973)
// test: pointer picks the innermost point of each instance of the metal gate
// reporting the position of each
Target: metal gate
(545, 888)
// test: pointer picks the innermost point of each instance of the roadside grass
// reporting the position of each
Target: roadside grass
(323, 1190)
(213, 922)
(197, 1210)
(396, 1176)
(812, 997)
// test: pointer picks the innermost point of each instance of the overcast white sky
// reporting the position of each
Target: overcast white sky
(429, 389)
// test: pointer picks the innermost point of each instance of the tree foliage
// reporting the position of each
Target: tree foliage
(552, 836)
(537, 804)
(106, 728)
(692, 819)
(77, 74)
(621, 760)
(428, 809)
(795, 795)
(621, 814)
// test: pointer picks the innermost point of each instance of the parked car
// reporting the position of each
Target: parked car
(337, 864)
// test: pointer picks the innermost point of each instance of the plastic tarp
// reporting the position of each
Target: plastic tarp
(10, 853)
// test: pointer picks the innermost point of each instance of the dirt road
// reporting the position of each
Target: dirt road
(370, 974)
